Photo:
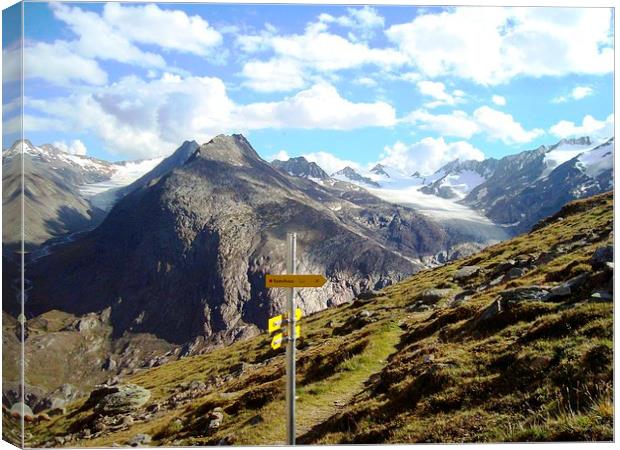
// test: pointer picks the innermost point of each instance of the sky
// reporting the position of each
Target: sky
(410, 87)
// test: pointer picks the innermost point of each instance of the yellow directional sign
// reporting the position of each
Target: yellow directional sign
(275, 323)
(276, 342)
(289, 281)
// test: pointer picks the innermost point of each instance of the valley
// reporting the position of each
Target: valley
(511, 344)
(163, 260)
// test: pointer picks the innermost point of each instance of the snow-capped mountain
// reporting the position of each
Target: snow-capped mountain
(350, 175)
(566, 150)
(60, 190)
(458, 178)
(508, 193)
(76, 169)
(301, 167)
(379, 169)
(524, 188)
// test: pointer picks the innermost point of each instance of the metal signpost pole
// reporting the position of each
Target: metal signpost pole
(291, 268)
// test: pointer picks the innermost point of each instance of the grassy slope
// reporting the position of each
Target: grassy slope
(536, 371)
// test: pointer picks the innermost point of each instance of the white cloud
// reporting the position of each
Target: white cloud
(577, 93)
(491, 45)
(499, 100)
(362, 20)
(273, 76)
(99, 39)
(495, 125)
(168, 29)
(12, 62)
(113, 35)
(437, 91)
(428, 154)
(365, 81)
(282, 155)
(330, 163)
(130, 120)
(457, 123)
(502, 126)
(314, 51)
(75, 147)
(320, 106)
(56, 62)
(589, 127)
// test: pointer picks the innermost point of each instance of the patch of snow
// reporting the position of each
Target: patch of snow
(103, 194)
(598, 160)
(562, 153)
(430, 205)
(462, 183)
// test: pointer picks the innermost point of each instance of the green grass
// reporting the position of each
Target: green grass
(538, 371)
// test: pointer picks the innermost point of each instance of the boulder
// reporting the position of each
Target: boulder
(463, 295)
(434, 295)
(601, 256)
(578, 281)
(122, 399)
(20, 409)
(545, 258)
(504, 266)
(515, 272)
(368, 295)
(562, 290)
(524, 293)
(466, 272)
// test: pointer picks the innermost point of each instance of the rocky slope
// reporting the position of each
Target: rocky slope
(532, 185)
(512, 344)
(53, 205)
(176, 159)
(513, 193)
(59, 188)
(351, 175)
(301, 167)
(183, 258)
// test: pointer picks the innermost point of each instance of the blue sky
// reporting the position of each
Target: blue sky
(408, 86)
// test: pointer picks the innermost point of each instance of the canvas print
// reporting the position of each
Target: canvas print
(304, 224)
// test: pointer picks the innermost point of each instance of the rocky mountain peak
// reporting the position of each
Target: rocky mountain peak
(379, 169)
(301, 167)
(231, 149)
(583, 140)
(350, 174)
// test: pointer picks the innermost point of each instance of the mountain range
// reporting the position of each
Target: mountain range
(60, 191)
(513, 192)
(177, 248)
(183, 256)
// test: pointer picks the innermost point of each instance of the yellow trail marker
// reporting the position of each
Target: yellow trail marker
(275, 323)
(298, 314)
(297, 331)
(289, 281)
(276, 342)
